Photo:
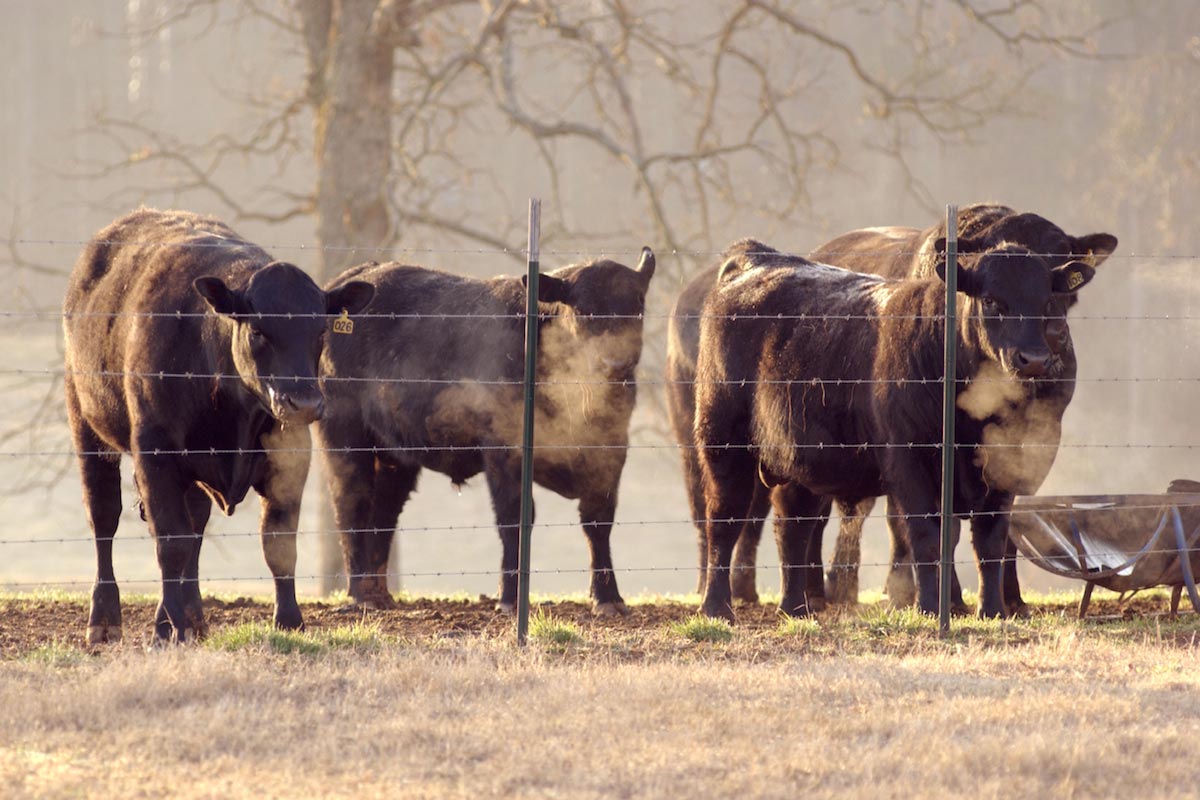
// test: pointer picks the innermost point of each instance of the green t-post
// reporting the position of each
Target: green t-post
(946, 562)
(531, 340)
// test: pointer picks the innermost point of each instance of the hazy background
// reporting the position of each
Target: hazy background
(334, 132)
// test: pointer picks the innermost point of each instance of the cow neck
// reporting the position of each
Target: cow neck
(235, 408)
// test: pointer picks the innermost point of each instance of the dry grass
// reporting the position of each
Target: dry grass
(875, 705)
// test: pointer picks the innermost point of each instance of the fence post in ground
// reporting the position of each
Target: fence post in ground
(531, 337)
(946, 566)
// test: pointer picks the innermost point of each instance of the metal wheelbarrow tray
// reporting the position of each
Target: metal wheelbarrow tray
(1123, 542)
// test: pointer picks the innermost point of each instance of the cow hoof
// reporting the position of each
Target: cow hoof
(505, 608)
(960, 610)
(1019, 611)
(816, 604)
(724, 611)
(746, 600)
(617, 609)
(377, 601)
(101, 634)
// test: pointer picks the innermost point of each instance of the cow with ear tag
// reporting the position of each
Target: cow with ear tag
(786, 348)
(431, 378)
(190, 349)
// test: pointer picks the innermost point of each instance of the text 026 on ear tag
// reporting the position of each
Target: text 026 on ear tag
(343, 324)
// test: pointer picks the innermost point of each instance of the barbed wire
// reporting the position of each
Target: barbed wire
(400, 529)
(579, 447)
(58, 372)
(521, 250)
(58, 315)
(1065, 560)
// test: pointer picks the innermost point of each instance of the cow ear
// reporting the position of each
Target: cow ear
(1097, 247)
(550, 289)
(965, 282)
(1071, 277)
(351, 298)
(646, 265)
(220, 297)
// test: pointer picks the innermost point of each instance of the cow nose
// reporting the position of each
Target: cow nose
(306, 408)
(1031, 365)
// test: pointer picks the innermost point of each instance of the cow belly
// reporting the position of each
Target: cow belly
(841, 472)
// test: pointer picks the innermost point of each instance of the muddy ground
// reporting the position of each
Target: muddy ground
(28, 623)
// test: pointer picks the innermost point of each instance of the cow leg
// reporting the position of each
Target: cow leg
(596, 513)
(693, 482)
(289, 452)
(164, 489)
(394, 484)
(797, 514)
(847, 552)
(1014, 604)
(744, 576)
(503, 469)
(915, 509)
(793, 511)
(989, 531)
(730, 479)
(900, 585)
(199, 510)
(100, 470)
(350, 475)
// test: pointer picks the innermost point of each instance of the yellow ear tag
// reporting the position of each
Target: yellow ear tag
(343, 324)
(1074, 279)
(1090, 259)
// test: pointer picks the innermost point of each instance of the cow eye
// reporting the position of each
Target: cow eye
(992, 307)
(256, 334)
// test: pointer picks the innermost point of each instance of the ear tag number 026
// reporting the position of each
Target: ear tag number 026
(343, 324)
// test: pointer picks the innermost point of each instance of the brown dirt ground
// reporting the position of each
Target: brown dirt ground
(29, 623)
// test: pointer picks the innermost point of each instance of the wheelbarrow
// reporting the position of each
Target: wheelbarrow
(1123, 542)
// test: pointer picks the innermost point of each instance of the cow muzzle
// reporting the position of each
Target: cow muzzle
(1031, 364)
(297, 407)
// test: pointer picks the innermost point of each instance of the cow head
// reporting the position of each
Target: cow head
(603, 305)
(278, 324)
(1013, 293)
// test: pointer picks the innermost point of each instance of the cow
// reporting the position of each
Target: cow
(892, 252)
(830, 381)
(190, 349)
(431, 379)
(898, 252)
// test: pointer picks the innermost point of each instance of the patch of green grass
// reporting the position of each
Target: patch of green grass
(883, 621)
(700, 628)
(544, 628)
(802, 627)
(357, 638)
(57, 654)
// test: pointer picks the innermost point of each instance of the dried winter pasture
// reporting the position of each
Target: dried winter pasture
(435, 700)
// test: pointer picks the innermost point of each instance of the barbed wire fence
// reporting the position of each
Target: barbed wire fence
(44, 466)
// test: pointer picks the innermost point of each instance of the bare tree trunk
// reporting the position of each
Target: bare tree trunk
(351, 57)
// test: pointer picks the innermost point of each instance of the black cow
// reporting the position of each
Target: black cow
(891, 252)
(830, 380)
(190, 349)
(431, 378)
(897, 252)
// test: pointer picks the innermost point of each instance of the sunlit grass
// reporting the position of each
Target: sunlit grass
(544, 628)
(800, 627)
(57, 654)
(263, 636)
(700, 628)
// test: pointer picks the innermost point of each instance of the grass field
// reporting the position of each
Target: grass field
(434, 699)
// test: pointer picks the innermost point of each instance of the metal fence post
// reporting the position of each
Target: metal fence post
(531, 339)
(946, 562)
